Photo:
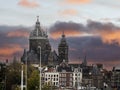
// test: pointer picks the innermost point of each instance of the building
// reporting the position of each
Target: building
(62, 79)
(66, 79)
(63, 49)
(77, 77)
(38, 44)
(39, 47)
(51, 78)
(115, 78)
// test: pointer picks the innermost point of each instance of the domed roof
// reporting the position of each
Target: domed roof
(38, 32)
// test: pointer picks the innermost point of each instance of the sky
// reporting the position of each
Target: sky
(91, 26)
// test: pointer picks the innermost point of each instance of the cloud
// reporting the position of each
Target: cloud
(96, 50)
(76, 1)
(18, 33)
(11, 49)
(71, 29)
(13, 40)
(69, 12)
(28, 3)
(72, 33)
(111, 37)
(108, 32)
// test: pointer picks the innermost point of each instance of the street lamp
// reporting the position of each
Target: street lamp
(40, 67)
(22, 78)
(26, 69)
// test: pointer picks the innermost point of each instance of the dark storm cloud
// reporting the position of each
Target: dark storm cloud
(66, 26)
(89, 27)
(108, 32)
(95, 25)
(94, 48)
(13, 40)
(11, 35)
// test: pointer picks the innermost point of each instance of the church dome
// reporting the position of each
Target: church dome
(38, 32)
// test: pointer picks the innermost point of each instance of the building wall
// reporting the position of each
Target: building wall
(66, 79)
(77, 78)
(51, 78)
(115, 79)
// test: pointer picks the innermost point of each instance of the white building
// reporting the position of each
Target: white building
(51, 78)
(77, 77)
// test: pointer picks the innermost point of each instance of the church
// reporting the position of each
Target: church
(40, 48)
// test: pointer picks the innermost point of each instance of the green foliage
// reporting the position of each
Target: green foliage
(13, 78)
(13, 75)
(2, 72)
(33, 80)
(48, 87)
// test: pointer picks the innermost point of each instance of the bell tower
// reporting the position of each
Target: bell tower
(63, 49)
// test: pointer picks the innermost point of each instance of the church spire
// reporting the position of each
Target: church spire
(37, 22)
(85, 60)
(63, 39)
(63, 35)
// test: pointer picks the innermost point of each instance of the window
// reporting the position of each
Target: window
(75, 74)
(54, 83)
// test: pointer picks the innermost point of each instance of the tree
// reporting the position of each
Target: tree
(2, 76)
(33, 81)
(13, 75)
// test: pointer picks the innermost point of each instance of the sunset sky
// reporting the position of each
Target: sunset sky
(91, 26)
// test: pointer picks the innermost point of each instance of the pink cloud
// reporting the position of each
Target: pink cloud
(9, 50)
(18, 33)
(77, 1)
(69, 12)
(28, 3)
(68, 33)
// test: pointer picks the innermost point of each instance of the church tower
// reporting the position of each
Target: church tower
(63, 49)
(39, 38)
(85, 61)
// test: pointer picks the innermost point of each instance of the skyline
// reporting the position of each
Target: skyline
(89, 25)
